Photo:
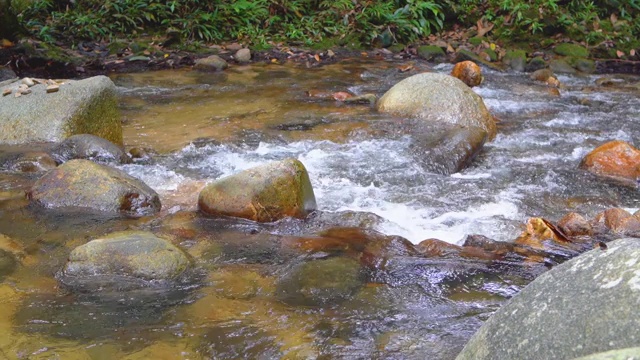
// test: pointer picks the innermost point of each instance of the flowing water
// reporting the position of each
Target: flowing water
(202, 127)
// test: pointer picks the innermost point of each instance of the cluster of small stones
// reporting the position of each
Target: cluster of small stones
(26, 83)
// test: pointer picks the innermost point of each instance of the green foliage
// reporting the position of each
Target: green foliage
(257, 21)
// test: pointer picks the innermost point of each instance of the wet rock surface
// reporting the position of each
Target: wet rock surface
(85, 184)
(90, 147)
(266, 193)
(123, 259)
(617, 160)
(563, 312)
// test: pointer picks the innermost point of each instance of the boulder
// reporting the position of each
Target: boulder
(618, 354)
(438, 99)
(469, 72)
(86, 106)
(617, 160)
(122, 259)
(211, 63)
(265, 193)
(584, 306)
(537, 63)
(85, 184)
(321, 282)
(561, 66)
(90, 147)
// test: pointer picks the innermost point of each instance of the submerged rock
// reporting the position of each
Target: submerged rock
(584, 306)
(86, 106)
(91, 147)
(123, 259)
(438, 99)
(85, 184)
(8, 263)
(265, 193)
(617, 160)
(451, 152)
(321, 282)
(30, 161)
(469, 72)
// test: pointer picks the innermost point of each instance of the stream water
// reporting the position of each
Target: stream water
(205, 126)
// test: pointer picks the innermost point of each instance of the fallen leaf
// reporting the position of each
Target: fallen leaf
(450, 48)
(330, 53)
(619, 53)
(317, 57)
(6, 43)
(364, 54)
(482, 28)
(632, 52)
(341, 95)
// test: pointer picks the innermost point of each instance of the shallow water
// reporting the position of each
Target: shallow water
(206, 126)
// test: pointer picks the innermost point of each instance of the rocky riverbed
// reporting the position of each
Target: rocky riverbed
(256, 213)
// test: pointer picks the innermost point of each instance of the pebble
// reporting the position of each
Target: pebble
(53, 88)
(28, 81)
(6, 92)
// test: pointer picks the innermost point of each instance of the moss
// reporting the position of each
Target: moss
(397, 48)
(574, 50)
(430, 52)
(100, 116)
(475, 41)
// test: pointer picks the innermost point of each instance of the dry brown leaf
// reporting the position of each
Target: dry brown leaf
(613, 18)
(6, 43)
(317, 57)
(450, 48)
(619, 53)
(482, 28)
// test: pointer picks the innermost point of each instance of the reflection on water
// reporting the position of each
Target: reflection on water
(205, 126)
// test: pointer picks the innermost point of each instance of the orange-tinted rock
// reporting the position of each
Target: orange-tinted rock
(539, 230)
(615, 159)
(469, 72)
(621, 221)
(438, 248)
(574, 224)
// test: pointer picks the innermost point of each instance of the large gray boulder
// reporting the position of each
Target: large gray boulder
(123, 259)
(585, 306)
(265, 193)
(438, 98)
(86, 106)
(85, 184)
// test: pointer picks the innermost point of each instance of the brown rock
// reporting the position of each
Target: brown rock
(469, 72)
(53, 88)
(618, 160)
(6, 92)
(438, 248)
(542, 75)
(573, 224)
(621, 221)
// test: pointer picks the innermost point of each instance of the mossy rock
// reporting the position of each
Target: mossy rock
(431, 52)
(493, 55)
(86, 106)
(124, 258)
(582, 64)
(574, 50)
(561, 66)
(321, 282)
(211, 63)
(85, 184)
(515, 59)
(537, 63)
(265, 193)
